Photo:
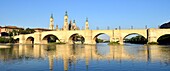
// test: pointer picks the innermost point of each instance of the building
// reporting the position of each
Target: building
(41, 29)
(51, 26)
(8, 29)
(70, 26)
(67, 26)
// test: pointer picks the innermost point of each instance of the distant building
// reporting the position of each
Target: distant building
(41, 29)
(8, 29)
(51, 25)
(66, 26)
(70, 26)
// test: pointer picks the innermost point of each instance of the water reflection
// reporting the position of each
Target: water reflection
(71, 55)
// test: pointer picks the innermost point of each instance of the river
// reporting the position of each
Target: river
(99, 57)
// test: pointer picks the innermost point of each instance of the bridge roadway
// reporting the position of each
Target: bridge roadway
(90, 35)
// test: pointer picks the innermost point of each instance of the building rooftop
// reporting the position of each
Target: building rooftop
(12, 27)
(43, 29)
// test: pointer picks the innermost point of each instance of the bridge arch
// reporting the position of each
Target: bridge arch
(95, 37)
(134, 34)
(164, 39)
(141, 39)
(76, 37)
(4, 34)
(30, 40)
(49, 38)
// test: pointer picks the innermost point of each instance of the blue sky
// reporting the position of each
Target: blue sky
(101, 13)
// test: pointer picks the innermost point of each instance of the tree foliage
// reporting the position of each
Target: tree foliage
(78, 38)
(165, 25)
(26, 31)
(165, 39)
(52, 39)
(7, 40)
(8, 36)
(98, 40)
(137, 40)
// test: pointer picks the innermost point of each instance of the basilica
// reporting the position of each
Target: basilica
(67, 25)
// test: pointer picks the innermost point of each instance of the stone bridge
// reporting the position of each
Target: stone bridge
(90, 35)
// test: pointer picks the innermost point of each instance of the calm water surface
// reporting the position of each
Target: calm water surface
(100, 57)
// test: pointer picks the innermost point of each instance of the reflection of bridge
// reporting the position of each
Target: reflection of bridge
(90, 35)
(72, 54)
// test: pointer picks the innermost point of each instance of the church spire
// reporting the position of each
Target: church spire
(51, 25)
(74, 27)
(66, 26)
(66, 13)
(74, 21)
(87, 24)
(86, 19)
(52, 15)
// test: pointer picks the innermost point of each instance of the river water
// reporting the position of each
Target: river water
(99, 57)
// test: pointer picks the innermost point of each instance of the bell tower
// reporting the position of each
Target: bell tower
(51, 26)
(74, 25)
(65, 21)
(87, 24)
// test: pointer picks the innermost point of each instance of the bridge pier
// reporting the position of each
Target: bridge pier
(117, 37)
(43, 42)
(119, 40)
(37, 38)
(88, 37)
(152, 36)
(21, 39)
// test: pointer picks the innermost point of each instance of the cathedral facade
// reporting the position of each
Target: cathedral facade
(67, 25)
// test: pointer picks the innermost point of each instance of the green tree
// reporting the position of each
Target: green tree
(26, 31)
(99, 40)
(165, 39)
(78, 38)
(14, 32)
(137, 40)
